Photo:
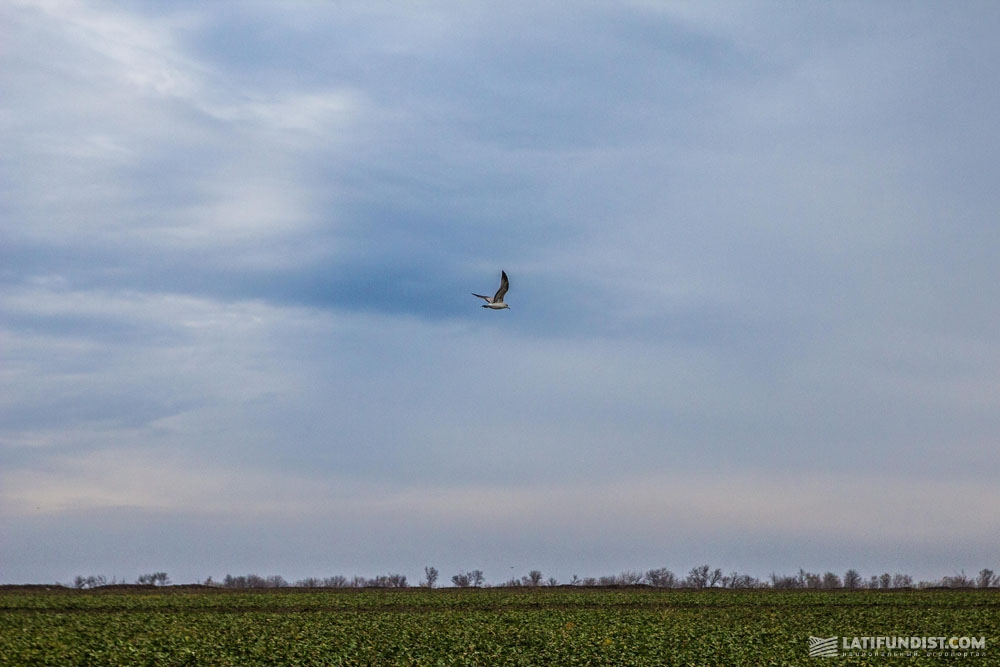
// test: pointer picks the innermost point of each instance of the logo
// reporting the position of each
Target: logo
(896, 646)
(822, 647)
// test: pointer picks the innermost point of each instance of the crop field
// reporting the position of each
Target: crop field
(494, 626)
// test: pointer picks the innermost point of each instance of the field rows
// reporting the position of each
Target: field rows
(475, 627)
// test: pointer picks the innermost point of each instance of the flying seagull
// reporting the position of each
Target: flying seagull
(496, 301)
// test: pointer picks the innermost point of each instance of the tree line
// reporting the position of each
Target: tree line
(699, 577)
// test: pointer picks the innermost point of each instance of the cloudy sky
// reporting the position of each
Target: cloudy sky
(753, 252)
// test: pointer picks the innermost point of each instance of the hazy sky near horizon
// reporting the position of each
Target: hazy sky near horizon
(753, 253)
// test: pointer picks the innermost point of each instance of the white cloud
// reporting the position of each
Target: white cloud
(139, 54)
(232, 162)
(98, 366)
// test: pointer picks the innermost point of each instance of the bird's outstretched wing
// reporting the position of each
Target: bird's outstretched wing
(504, 286)
(488, 299)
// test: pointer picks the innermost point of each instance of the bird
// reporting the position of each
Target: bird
(496, 301)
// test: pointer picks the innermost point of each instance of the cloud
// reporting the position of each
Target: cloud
(743, 516)
(750, 249)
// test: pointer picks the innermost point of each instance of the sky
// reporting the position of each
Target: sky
(753, 256)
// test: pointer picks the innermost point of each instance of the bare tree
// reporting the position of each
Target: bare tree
(92, 581)
(397, 581)
(461, 580)
(661, 578)
(309, 582)
(156, 578)
(986, 579)
(885, 580)
(477, 578)
(959, 580)
(336, 581)
(852, 579)
(241, 581)
(533, 578)
(714, 577)
(629, 578)
(698, 577)
(902, 580)
(386, 581)
(430, 577)
(831, 580)
(811, 579)
(735, 580)
(785, 581)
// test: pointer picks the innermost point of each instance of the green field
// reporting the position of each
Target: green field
(495, 626)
